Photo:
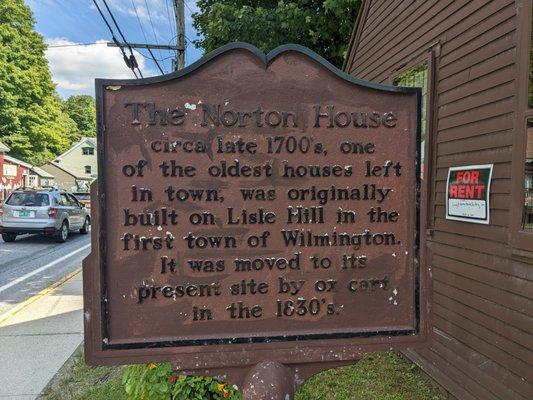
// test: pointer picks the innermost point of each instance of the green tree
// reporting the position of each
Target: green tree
(32, 121)
(82, 110)
(324, 26)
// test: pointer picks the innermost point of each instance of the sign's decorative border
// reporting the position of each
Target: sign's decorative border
(101, 84)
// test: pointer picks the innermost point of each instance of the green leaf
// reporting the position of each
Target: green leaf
(323, 26)
(33, 122)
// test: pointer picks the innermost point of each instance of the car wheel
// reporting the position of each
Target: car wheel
(62, 234)
(8, 237)
(86, 226)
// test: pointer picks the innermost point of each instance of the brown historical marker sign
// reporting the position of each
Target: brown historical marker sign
(254, 208)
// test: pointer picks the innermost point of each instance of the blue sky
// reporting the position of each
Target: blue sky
(67, 22)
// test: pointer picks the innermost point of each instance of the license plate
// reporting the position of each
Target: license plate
(24, 214)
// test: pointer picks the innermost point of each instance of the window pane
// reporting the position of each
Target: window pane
(64, 200)
(417, 77)
(73, 200)
(527, 219)
(28, 199)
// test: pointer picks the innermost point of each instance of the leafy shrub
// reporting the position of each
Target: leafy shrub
(160, 382)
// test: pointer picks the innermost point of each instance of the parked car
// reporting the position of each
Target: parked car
(45, 211)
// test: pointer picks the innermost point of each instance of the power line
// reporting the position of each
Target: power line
(132, 59)
(127, 60)
(159, 59)
(189, 40)
(152, 24)
(105, 19)
(139, 20)
(186, 5)
(116, 24)
(185, 36)
(145, 39)
(170, 23)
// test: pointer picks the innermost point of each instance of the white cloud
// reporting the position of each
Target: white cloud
(74, 68)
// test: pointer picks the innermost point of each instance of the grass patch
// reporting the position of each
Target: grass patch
(78, 381)
(378, 376)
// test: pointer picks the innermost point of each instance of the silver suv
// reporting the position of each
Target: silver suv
(45, 211)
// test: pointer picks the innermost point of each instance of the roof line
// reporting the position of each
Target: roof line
(82, 140)
(33, 168)
(356, 33)
(41, 172)
(64, 170)
(4, 148)
(16, 160)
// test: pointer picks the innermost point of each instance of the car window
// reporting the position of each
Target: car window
(64, 200)
(32, 199)
(73, 201)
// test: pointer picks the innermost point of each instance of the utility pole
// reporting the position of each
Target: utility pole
(179, 10)
(177, 63)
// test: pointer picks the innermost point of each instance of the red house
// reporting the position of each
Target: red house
(13, 172)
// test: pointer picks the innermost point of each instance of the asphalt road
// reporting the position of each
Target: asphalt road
(34, 262)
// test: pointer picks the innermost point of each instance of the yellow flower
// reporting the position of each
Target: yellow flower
(220, 386)
(151, 366)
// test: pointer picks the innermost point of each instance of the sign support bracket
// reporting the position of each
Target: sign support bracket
(269, 380)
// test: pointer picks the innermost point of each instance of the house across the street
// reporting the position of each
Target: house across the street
(38, 177)
(15, 173)
(76, 168)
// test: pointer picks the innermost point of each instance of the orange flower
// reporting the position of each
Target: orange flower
(226, 393)
(151, 366)
(173, 378)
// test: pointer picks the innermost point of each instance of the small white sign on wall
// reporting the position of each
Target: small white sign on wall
(468, 193)
(10, 170)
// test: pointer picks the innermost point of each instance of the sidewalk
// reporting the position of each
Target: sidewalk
(38, 336)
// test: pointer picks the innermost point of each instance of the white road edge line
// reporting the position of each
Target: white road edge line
(40, 269)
